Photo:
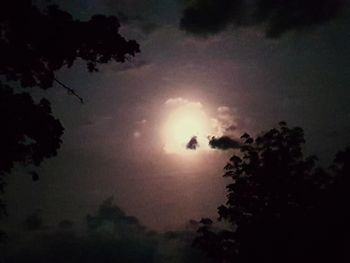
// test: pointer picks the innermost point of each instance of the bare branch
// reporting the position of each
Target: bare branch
(70, 90)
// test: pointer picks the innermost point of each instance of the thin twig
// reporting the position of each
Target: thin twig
(70, 90)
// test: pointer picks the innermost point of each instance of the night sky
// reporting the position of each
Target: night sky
(120, 144)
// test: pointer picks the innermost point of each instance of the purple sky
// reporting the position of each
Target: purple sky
(300, 78)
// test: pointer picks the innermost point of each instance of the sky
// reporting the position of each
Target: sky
(123, 142)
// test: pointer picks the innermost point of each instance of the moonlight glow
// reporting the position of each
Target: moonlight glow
(185, 120)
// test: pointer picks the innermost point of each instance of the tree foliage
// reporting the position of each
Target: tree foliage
(280, 207)
(29, 132)
(34, 44)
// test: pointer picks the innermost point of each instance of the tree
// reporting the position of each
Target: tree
(279, 204)
(34, 45)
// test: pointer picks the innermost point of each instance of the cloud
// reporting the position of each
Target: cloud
(137, 134)
(231, 128)
(140, 128)
(223, 109)
(226, 122)
(192, 144)
(131, 65)
(206, 17)
(34, 221)
(134, 13)
(224, 143)
(138, 21)
(186, 127)
(110, 235)
(220, 129)
(143, 122)
(174, 102)
(227, 129)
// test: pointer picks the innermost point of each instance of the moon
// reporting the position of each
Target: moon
(185, 121)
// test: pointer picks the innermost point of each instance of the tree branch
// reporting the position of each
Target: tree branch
(70, 90)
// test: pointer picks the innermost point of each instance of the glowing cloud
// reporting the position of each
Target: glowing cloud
(186, 120)
(189, 130)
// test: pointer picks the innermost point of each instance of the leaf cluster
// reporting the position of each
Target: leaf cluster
(278, 202)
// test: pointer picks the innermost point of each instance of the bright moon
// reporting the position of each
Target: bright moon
(185, 120)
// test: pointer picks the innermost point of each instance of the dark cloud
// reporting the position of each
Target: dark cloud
(110, 235)
(192, 144)
(231, 128)
(203, 17)
(131, 65)
(135, 13)
(224, 143)
(282, 16)
(34, 221)
(35, 175)
(122, 224)
(137, 21)
(210, 16)
(65, 224)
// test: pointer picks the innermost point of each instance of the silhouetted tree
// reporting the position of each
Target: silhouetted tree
(34, 45)
(279, 205)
